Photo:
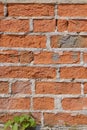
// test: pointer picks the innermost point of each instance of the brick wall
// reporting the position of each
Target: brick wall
(43, 62)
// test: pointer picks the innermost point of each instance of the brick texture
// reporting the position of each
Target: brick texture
(43, 62)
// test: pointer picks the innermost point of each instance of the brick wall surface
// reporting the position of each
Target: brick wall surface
(43, 62)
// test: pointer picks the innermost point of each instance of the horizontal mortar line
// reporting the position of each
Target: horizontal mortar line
(26, 18)
(45, 33)
(15, 95)
(42, 65)
(44, 49)
(44, 1)
(72, 18)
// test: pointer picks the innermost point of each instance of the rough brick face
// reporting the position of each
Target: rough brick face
(44, 25)
(19, 41)
(43, 61)
(30, 10)
(1, 10)
(14, 25)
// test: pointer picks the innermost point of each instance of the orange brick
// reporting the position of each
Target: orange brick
(43, 103)
(85, 88)
(4, 87)
(4, 117)
(64, 118)
(73, 72)
(27, 72)
(14, 25)
(1, 10)
(9, 56)
(15, 103)
(68, 41)
(74, 103)
(57, 88)
(56, 58)
(26, 57)
(23, 41)
(62, 25)
(21, 87)
(85, 57)
(72, 10)
(30, 10)
(44, 25)
(77, 25)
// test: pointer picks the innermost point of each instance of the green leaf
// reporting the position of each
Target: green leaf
(32, 122)
(8, 124)
(15, 127)
(17, 119)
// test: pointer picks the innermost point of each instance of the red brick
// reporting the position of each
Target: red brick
(14, 25)
(30, 10)
(27, 72)
(72, 10)
(1, 10)
(23, 41)
(43, 103)
(21, 87)
(85, 88)
(57, 58)
(9, 56)
(68, 41)
(85, 57)
(15, 103)
(4, 117)
(26, 57)
(73, 72)
(44, 25)
(4, 87)
(62, 25)
(74, 103)
(77, 25)
(57, 88)
(64, 119)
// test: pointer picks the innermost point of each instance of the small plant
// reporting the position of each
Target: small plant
(23, 122)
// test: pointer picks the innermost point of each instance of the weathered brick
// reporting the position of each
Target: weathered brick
(14, 25)
(68, 41)
(85, 88)
(74, 103)
(44, 25)
(72, 10)
(23, 41)
(73, 72)
(1, 10)
(4, 117)
(15, 103)
(85, 57)
(64, 119)
(43, 103)
(57, 88)
(27, 72)
(56, 58)
(26, 57)
(77, 25)
(21, 87)
(9, 56)
(62, 25)
(30, 10)
(4, 87)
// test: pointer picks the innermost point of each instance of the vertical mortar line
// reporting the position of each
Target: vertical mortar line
(32, 92)
(58, 73)
(5, 10)
(48, 42)
(31, 24)
(81, 58)
(42, 119)
(58, 104)
(82, 89)
(10, 87)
